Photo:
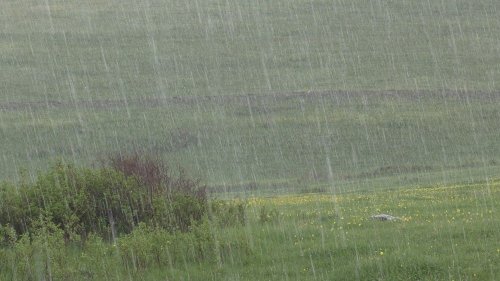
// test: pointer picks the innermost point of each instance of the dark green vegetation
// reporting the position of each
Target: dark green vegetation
(444, 233)
(134, 204)
(105, 201)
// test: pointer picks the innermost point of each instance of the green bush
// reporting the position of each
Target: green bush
(109, 201)
(175, 202)
(8, 236)
(58, 227)
(43, 256)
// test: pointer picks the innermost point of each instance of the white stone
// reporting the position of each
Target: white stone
(384, 217)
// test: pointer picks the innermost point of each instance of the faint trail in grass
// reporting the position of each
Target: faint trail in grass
(243, 98)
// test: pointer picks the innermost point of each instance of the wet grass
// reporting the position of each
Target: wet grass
(238, 92)
(115, 49)
(212, 86)
(276, 97)
(255, 144)
(444, 233)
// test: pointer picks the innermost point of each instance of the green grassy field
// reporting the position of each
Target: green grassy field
(110, 49)
(444, 233)
(360, 107)
(258, 144)
(256, 95)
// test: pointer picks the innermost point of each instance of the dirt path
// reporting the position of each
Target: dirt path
(244, 98)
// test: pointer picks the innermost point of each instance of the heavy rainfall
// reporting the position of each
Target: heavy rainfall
(249, 140)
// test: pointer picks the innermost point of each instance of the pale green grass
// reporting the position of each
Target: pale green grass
(81, 79)
(113, 49)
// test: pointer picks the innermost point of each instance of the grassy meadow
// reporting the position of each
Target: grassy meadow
(103, 49)
(314, 115)
(264, 144)
(257, 95)
(444, 233)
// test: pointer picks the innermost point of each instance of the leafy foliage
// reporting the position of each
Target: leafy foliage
(109, 201)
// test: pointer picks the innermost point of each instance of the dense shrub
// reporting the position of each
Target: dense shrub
(43, 256)
(109, 201)
(174, 201)
(8, 236)
(58, 227)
